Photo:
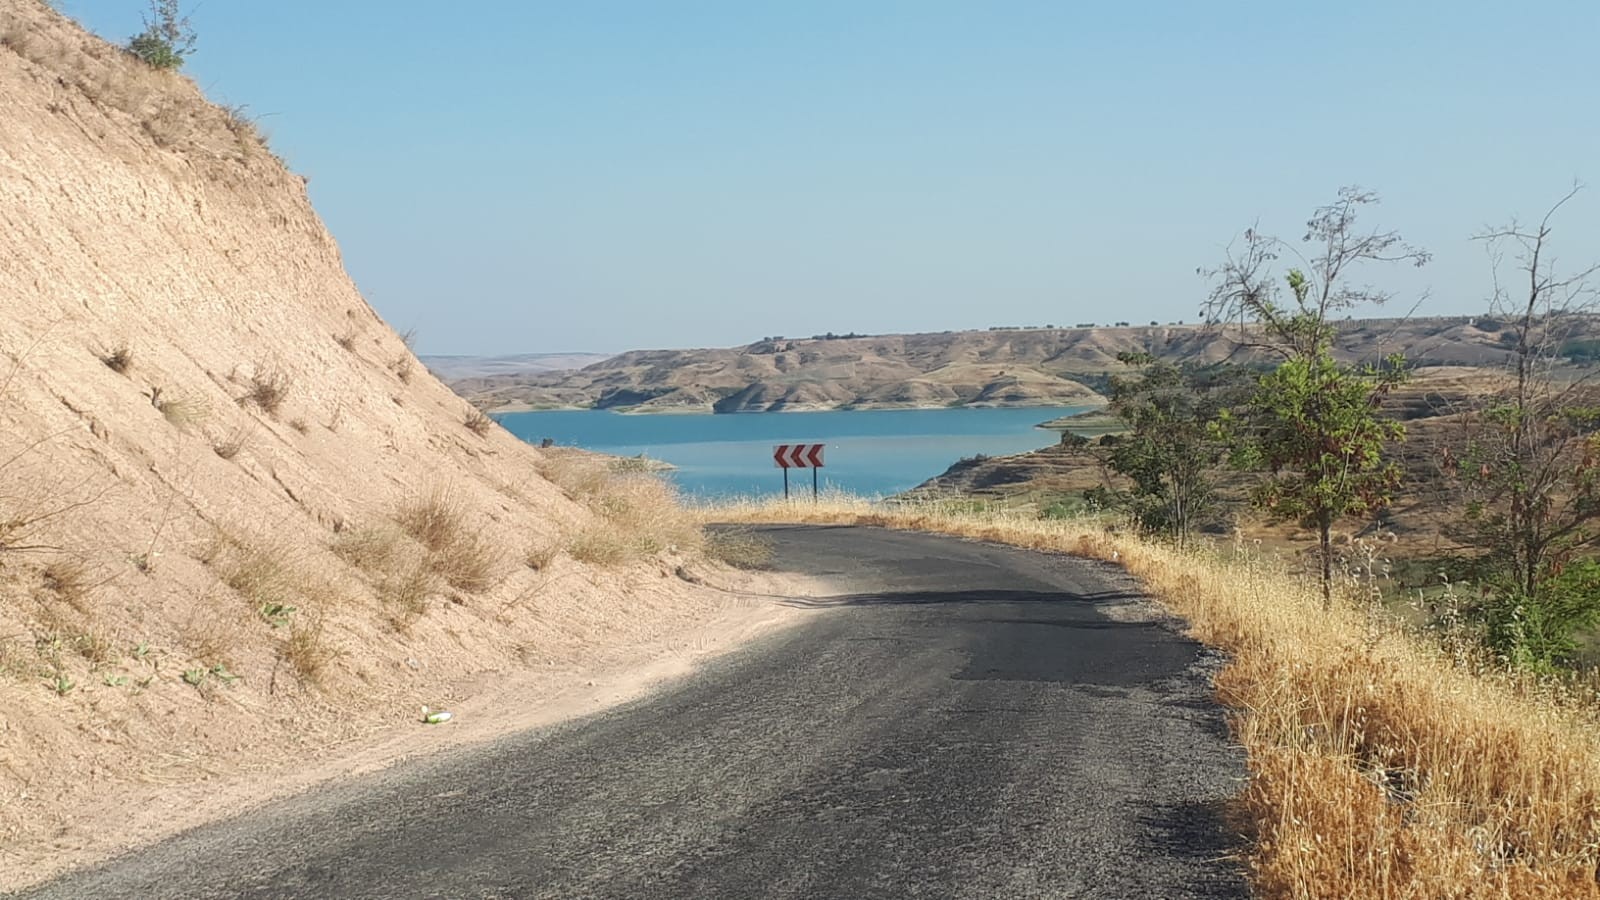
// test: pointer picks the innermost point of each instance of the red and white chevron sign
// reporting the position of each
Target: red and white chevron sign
(798, 456)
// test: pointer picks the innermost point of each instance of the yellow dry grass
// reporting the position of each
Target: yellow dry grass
(636, 514)
(1380, 766)
(442, 523)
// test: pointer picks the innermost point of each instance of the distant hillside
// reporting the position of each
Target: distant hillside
(455, 368)
(1001, 367)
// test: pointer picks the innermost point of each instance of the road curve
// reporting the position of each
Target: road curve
(977, 721)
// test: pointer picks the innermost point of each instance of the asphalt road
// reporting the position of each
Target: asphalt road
(970, 724)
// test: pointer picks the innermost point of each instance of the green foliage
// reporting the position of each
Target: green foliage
(1526, 471)
(1169, 450)
(168, 38)
(1539, 631)
(1313, 426)
(62, 684)
(1581, 351)
(276, 614)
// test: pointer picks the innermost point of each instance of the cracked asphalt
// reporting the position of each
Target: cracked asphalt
(969, 721)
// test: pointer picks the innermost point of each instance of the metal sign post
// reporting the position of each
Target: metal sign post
(798, 456)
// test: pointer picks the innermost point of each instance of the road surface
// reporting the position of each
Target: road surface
(972, 721)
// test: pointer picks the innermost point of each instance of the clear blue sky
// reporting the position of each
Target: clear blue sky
(514, 175)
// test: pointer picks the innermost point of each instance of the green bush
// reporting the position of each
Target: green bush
(1540, 632)
(167, 38)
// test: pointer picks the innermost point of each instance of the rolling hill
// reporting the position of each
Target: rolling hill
(998, 367)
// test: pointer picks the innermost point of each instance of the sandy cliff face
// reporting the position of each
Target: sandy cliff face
(239, 523)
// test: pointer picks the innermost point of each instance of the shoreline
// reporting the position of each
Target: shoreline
(1087, 407)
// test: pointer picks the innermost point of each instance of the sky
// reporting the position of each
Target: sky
(513, 176)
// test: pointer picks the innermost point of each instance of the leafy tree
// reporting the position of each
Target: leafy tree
(1169, 451)
(1527, 466)
(1313, 423)
(168, 38)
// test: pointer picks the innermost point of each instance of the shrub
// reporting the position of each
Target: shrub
(456, 552)
(406, 591)
(541, 554)
(637, 513)
(118, 360)
(307, 651)
(269, 387)
(601, 544)
(167, 39)
(478, 423)
(372, 550)
(68, 579)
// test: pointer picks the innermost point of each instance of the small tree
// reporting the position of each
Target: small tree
(1169, 451)
(1313, 423)
(168, 38)
(1527, 465)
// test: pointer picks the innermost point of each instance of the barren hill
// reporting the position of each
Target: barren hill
(452, 368)
(240, 524)
(998, 367)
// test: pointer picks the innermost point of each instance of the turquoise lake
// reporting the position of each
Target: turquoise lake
(869, 452)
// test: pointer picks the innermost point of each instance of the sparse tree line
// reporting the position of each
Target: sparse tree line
(1516, 472)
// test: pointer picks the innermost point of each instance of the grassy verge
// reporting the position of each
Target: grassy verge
(1381, 765)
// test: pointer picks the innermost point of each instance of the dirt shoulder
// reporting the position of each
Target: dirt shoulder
(732, 608)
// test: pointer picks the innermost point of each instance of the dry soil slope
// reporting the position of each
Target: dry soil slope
(136, 215)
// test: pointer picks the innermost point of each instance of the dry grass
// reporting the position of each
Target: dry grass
(274, 582)
(407, 590)
(602, 544)
(347, 340)
(215, 633)
(739, 548)
(183, 412)
(432, 544)
(1380, 765)
(478, 423)
(440, 522)
(268, 388)
(541, 554)
(308, 651)
(401, 572)
(261, 572)
(68, 579)
(119, 359)
(637, 514)
(229, 447)
(372, 550)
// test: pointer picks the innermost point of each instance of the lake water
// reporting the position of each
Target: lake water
(869, 452)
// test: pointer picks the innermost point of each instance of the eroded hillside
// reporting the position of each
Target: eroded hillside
(240, 524)
(998, 367)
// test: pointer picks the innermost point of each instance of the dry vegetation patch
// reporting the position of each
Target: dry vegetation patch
(478, 423)
(637, 514)
(119, 359)
(458, 552)
(1382, 764)
(269, 387)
